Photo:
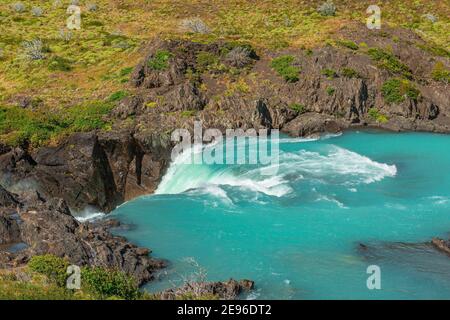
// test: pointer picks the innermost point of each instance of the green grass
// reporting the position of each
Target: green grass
(388, 61)
(23, 126)
(283, 66)
(160, 61)
(118, 95)
(397, 90)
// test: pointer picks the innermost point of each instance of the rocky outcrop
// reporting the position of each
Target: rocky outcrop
(441, 245)
(48, 227)
(95, 169)
(228, 290)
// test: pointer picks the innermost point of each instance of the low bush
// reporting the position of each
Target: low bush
(331, 91)
(329, 73)
(195, 25)
(377, 116)
(104, 284)
(33, 50)
(160, 61)
(239, 57)
(327, 9)
(283, 65)
(440, 73)
(397, 90)
(350, 73)
(54, 268)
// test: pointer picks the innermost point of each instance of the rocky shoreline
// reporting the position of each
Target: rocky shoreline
(104, 169)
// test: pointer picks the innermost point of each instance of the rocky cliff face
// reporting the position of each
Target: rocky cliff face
(47, 227)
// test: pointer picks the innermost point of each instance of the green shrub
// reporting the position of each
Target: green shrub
(377, 116)
(59, 64)
(160, 60)
(116, 96)
(283, 65)
(350, 73)
(329, 73)
(104, 283)
(397, 90)
(206, 60)
(299, 108)
(388, 61)
(440, 73)
(331, 91)
(54, 268)
(348, 44)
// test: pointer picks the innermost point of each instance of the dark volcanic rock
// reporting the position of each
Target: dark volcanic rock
(48, 227)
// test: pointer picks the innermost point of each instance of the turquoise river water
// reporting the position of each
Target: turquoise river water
(298, 232)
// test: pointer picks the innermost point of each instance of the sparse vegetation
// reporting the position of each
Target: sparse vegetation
(327, 9)
(206, 60)
(331, 91)
(297, 107)
(195, 25)
(285, 68)
(440, 73)
(377, 116)
(329, 73)
(348, 44)
(160, 61)
(388, 61)
(350, 73)
(397, 90)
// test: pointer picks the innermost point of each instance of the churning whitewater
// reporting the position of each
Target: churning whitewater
(311, 228)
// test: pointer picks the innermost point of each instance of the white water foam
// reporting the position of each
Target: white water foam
(88, 214)
(336, 165)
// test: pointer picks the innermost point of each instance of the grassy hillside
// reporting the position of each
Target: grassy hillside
(94, 63)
